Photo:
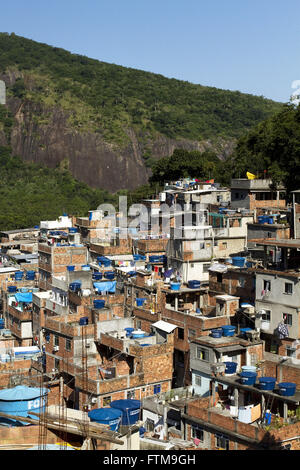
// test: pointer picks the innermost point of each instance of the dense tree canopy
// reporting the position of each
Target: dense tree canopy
(194, 164)
(272, 147)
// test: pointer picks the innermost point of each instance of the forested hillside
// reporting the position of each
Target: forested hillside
(76, 131)
(118, 96)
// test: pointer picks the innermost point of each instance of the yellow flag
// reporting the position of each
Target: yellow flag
(250, 176)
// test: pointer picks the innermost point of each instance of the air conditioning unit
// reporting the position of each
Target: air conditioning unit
(94, 400)
(55, 348)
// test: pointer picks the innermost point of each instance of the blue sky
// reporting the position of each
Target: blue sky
(248, 45)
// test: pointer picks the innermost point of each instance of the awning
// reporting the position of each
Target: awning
(164, 326)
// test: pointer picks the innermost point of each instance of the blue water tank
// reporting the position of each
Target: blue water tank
(2, 323)
(138, 334)
(30, 275)
(18, 275)
(248, 378)
(75, 286)
(20, 401)
(99, 303)
(109, 416)
(129, 331)
(243, 331)
(267, 383)
(102, 260)
(194, 284)
(230, 367)
(83, 321)
(97, 276)
(73, 230)
(287, 389)
(175, 285)
(130, 410)
(109, 275)
(216, 332)
(238, 261)
(261, 219)
(228, 330)
(155, 259)
(12, 289)
(71, 268)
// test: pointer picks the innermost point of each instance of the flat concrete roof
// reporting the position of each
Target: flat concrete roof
(290, 243)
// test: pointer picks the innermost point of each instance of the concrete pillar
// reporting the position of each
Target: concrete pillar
(213, 391)
(285, 411)
(165, 421)
(236, 397)
(176, 302)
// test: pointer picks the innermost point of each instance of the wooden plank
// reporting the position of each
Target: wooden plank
(103, 436)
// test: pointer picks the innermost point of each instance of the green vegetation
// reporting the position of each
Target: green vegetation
(30, 193)
(272, 147)
(193, 164)
(108, 98)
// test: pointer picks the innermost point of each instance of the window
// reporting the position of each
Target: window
(222, 442)
(197, 433)
(290, 352)
(138, 324)
(180, 333)
(56, 364)
(287, 318)
(267, 285)
(106, 401)
(68, 344)
(56, 340)
(47, 337)
(266, 316)
(157, 389)
(131, 395)
(149, 425)
(198, 380)
(202, 354)
(241, 282)
(288, 288)
(206, 267)
(219, 277)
